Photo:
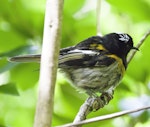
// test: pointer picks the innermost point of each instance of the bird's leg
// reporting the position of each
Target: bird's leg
(91, 93)
(106, 97)
(101, 101)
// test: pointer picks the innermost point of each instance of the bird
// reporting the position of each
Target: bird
(94, 65)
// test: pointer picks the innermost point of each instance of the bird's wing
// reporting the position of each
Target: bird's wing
(84, 58)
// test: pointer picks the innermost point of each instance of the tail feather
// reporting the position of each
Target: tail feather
(25, 58)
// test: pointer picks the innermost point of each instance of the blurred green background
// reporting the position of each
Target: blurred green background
(21, 30)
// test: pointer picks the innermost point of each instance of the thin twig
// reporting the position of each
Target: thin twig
(138, 46)
(105, 117)
(92, 104)
(49, 60)
(98, 10)
(85, 109)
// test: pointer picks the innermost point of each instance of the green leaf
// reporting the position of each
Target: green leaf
(25, 75)
(10, 89)
(28, 49)
(144, 116)
(3, 126)
(5, 65)
(137, 9)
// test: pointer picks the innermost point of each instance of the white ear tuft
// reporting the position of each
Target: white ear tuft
(124, 37)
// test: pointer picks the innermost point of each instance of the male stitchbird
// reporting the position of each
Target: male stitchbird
(95, 65)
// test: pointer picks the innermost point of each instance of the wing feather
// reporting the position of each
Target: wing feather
(84, 58)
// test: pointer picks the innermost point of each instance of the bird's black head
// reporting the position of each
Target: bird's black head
(119, 44)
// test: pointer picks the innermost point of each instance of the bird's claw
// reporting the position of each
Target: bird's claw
(100, 102)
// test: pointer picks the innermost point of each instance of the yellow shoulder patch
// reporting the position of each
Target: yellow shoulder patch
(119, 60)
(97, 46)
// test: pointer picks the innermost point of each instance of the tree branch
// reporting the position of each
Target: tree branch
(49, 61)
(98, 10)
(92, 104)
(85, 109)
(105, 117)
(138, 46)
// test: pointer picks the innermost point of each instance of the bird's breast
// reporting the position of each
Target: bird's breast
(99, 79)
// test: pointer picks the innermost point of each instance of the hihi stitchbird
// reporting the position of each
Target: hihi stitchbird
(95, 65)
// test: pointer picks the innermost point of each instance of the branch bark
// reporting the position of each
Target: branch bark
(138, 46)
(85, 109)
(98, 10)
(49, 60)
(105, 117)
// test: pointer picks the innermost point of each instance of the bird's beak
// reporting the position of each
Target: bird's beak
(135, 48)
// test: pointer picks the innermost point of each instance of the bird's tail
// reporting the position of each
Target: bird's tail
(26, 58)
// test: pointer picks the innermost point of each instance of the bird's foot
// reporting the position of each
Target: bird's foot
(101, 101)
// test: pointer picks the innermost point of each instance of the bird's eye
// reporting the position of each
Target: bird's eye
(129, 45)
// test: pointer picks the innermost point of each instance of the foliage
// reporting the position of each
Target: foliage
(21, 28)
